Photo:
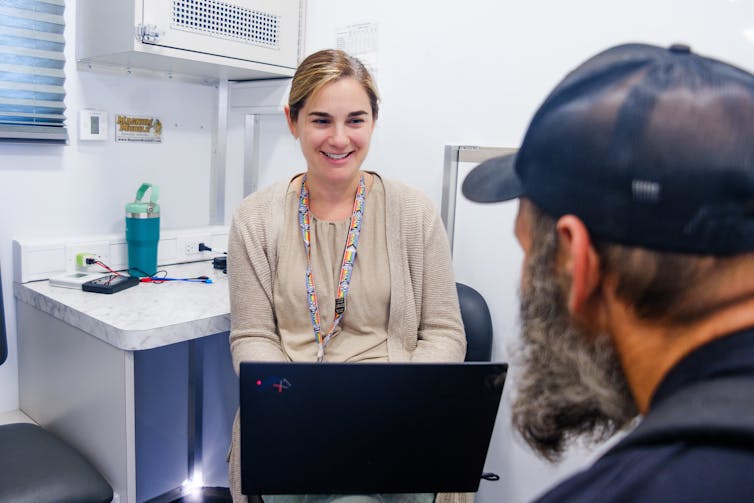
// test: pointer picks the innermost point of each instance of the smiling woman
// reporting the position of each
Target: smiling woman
(299, 292)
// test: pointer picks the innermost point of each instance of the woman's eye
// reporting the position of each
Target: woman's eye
(321, 121)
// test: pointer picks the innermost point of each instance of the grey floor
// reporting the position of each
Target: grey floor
(208, 495)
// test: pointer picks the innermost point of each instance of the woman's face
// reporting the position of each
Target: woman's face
(334, 129)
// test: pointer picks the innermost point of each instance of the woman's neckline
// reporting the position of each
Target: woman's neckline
(346, 211)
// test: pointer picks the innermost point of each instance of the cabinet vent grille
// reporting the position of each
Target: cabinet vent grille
(228, 21)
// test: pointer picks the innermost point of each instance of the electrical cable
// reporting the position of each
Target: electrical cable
(90, 261)
(153, 278)
(158, 280)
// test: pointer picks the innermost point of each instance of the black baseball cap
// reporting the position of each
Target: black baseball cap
(648, 146)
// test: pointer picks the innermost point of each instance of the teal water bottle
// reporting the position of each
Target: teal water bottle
(143, 231)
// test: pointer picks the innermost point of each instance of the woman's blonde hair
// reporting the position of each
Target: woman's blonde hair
(324, 67)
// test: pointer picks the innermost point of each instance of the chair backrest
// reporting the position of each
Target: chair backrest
(476, 322)
(3, 338)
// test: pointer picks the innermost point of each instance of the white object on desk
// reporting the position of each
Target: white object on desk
(74, 279)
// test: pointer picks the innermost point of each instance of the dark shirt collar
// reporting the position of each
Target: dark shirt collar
(726, 356)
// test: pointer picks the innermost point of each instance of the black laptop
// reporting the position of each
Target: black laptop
(362, 428)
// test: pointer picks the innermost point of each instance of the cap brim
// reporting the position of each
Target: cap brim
(493, 180)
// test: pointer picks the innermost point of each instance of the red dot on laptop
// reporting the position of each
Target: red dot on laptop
(259, 382)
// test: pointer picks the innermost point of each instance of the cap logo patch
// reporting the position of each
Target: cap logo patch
(645, 191)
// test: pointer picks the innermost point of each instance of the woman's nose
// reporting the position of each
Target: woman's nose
(339, 137)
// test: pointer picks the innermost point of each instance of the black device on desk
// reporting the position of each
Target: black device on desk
(361, 428)
(220, 263)
(110, 284)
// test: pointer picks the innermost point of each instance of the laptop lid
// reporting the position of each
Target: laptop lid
(361, 428)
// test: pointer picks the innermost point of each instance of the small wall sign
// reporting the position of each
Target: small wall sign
(138, 129)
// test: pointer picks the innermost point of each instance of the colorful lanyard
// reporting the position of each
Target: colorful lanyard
(346, 268)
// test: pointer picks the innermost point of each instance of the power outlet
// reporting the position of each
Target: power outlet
(81, 262)
(99, 250)
(189, 246)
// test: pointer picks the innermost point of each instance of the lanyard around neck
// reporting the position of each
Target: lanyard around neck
(346, 268)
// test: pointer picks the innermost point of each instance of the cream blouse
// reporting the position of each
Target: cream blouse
(362, 332)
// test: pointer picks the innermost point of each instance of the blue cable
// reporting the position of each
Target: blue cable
(155, 279)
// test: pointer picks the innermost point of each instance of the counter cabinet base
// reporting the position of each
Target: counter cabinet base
(128, 411)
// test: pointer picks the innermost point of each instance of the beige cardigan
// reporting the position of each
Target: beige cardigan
(425, 322)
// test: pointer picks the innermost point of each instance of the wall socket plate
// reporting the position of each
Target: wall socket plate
(35, 259)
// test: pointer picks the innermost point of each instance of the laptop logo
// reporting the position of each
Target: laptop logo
(274, 383)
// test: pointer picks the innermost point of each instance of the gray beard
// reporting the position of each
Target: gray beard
(572, 384)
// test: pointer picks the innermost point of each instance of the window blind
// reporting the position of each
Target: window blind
(32, 95)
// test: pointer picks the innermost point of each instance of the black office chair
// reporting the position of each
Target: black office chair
(37, 467)
(476, 322)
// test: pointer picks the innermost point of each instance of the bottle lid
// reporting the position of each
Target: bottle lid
(145, 209)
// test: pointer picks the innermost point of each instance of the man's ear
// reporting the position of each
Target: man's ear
(578, 257)
(291, 122)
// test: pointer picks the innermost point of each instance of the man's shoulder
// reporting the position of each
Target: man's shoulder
(671, 472)
(692, 446)
(714, 411)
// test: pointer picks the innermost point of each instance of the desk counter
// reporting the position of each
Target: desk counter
(141, 381)
(146, 316)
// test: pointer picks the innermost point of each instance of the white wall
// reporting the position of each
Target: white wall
(82, 188)
(473, 73)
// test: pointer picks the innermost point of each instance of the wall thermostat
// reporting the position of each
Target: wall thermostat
(92, 125)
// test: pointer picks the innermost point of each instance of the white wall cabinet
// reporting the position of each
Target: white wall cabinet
(206, 39)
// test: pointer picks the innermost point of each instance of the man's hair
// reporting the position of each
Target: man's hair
(658, 285)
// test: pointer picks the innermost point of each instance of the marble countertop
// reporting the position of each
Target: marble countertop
(145, 316)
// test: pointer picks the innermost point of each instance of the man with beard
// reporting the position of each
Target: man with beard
(636, 218)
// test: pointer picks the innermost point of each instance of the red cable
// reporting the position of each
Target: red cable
(107, 268)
